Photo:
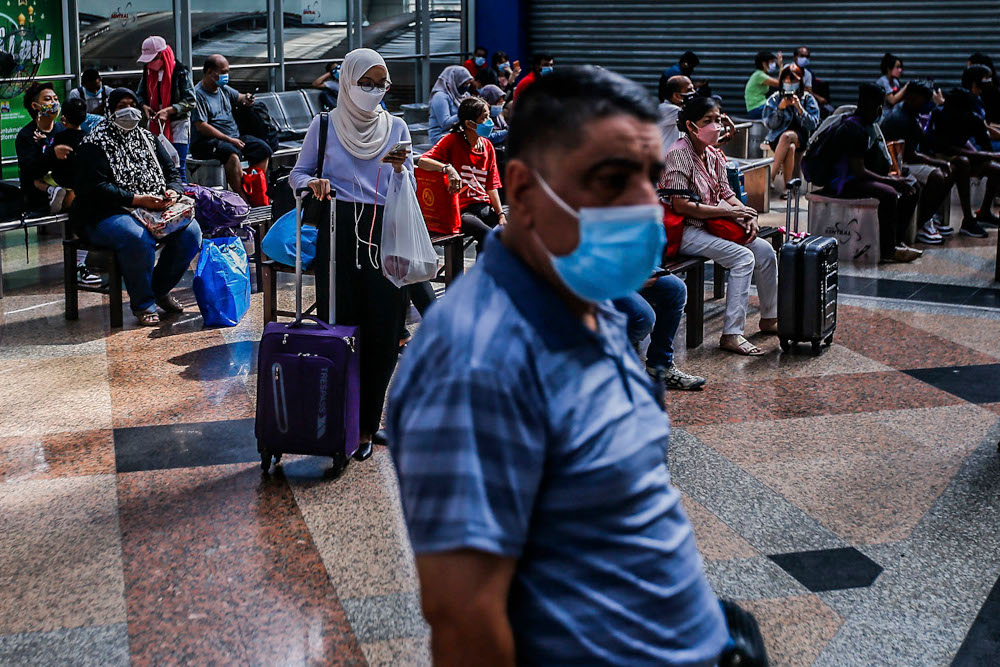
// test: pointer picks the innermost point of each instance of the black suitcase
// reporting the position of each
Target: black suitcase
(807, 285)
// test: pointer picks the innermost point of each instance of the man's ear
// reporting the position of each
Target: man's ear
(521, 183)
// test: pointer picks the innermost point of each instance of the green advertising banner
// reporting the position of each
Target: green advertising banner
(32, 32)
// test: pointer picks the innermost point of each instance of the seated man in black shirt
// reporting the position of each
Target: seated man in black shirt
(36, 155)
(856, 177)
(948, 137)
(902, 123)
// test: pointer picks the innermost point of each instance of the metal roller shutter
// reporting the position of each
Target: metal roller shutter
(847, 38)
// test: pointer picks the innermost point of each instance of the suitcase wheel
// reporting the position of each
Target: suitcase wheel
(829, 340)
(817, 347)
(784, 344)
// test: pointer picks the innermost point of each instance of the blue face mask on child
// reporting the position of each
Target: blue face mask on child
(485, 129)
(620, 248)
(480, 61)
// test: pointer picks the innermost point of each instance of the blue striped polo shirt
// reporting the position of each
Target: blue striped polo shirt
(517, 431)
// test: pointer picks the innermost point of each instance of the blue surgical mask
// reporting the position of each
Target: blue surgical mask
(496, 110)
(224, 79)
(504, 65)
(772, 68)
(336, 74)
(802, 61)
(480, 61)
(546, 70)
(485, 129)
(620, 247)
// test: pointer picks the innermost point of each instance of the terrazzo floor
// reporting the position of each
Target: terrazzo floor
(850, 500)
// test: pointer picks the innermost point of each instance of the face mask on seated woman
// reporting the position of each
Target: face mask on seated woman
(127, 119)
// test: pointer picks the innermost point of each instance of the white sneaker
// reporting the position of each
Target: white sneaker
(929, 234)
(940, 226)
(57, 196)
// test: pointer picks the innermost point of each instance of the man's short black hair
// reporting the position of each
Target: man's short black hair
(762, 58)
(90, 76)
(974, 74)
(668, 89)
(870, 95)
(212, 63)
(75, 111)
(539, 58)
(31, 95)
(919, 88)
(481, 48)
(978, 58)
(690, 57)
(554, 109)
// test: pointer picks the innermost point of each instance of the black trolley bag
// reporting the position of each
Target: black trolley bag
(807, 285)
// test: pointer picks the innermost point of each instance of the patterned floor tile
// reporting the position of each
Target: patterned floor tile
(829, 569)
(57, 455)
(61, 564)
(975, 384)
(54, 395)
(982, 644)
(795, 628)
(185, 445)
(979, 333)
(716, 540)
(95, 646)
(167, 376)
(896, 344)
(787, 398)
(36, 327)
(220, 567)
(403, 652)
(357, 524)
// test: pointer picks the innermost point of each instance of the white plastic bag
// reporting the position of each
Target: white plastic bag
(407, 252)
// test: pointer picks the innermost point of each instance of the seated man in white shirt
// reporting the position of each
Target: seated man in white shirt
(673, 94)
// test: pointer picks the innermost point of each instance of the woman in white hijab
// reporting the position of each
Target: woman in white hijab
(358, 166)
(448, 92)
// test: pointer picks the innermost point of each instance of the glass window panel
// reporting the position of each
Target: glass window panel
(238, 30)
(111, 34)
(314, 30)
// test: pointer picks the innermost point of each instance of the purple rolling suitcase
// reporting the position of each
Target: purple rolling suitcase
(308, 376)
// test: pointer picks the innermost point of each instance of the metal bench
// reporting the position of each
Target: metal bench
(693, 269)
(25, 222)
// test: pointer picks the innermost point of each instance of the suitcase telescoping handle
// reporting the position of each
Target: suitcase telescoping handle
(794, 187)
(300, 196)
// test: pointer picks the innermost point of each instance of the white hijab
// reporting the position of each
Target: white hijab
(365, 134)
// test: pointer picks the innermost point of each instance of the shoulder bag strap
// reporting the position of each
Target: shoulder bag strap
(324, 131)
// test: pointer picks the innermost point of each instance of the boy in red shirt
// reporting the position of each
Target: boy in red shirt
(470, 162)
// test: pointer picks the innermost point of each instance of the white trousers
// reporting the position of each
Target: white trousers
(755, 259)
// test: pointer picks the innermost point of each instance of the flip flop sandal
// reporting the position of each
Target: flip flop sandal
(745, 348)
(148, 319)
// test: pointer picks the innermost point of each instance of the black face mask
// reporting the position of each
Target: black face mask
(687, 97)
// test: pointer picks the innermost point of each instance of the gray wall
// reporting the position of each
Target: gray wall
(847, 38)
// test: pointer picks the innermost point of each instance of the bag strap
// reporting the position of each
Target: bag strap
(324, 131)
(156, 158)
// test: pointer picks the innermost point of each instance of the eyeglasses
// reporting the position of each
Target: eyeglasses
(368, 86)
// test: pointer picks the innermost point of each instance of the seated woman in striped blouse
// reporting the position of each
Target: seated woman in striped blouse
(696, 166)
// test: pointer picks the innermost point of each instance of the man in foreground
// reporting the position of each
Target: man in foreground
(530, 444)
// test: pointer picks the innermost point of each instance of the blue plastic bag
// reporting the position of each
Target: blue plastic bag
(279, 242)
(222, 282)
